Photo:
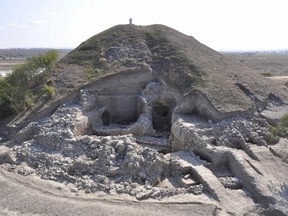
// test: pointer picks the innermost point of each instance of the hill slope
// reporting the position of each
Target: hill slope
(181, 62)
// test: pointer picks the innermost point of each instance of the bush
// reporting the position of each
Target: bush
(267, 74)
(271, 138)
(16, 88)
(13, 99)
(5, 105)
(286, 84)
(49, 90)
(92, 73)
(281, 130)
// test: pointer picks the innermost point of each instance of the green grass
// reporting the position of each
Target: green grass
(49, 90)
(92, 73)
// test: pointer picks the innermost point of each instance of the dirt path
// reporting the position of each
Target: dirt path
(279, 77)
(282, 80)
(18, 197)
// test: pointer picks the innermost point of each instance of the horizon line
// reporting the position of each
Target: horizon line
(218, 50)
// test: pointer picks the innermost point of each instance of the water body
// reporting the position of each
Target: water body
(4, 73)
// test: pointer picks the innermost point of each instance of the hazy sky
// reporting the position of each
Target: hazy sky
(220, 24)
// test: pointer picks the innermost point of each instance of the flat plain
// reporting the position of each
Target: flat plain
(9, 58)
(266, 63)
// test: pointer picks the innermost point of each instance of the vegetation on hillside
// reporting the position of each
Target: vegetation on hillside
(92, 73)
(16, 89)
(267, 74)
(280, 130)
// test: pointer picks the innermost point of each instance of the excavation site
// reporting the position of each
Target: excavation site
(161, 118)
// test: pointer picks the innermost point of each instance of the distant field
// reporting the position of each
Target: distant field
(8, 64)
(9, 58)
(27, 53)
(267, 64)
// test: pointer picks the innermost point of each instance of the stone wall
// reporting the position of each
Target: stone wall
(121, 109)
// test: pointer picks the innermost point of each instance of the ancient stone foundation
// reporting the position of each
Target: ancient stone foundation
(139, 137)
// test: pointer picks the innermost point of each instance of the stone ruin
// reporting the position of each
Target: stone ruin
(130, 134)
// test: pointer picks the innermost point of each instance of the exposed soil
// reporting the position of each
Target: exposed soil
(31, 196)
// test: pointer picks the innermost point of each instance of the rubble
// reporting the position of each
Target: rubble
(75, 147)
(66, 147)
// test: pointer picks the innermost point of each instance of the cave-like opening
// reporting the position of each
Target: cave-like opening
(106, 118)
(161, 117)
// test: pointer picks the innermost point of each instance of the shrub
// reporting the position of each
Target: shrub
(49, 90)
(16, 88)
(5, 106)
(271, 138)
(13, 99)
(267, 74)
(92, 72)
(280, 130)
(286, 84)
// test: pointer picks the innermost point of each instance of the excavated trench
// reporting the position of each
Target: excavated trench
(161, 116)
(133, 142)
(161, 111)
(132, 132)
(120, 110)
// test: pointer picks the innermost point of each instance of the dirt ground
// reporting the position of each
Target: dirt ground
(30, 196)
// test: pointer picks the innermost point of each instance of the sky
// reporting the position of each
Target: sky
(223, 25)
